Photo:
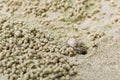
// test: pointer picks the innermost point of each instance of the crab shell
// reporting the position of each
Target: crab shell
(72, 42)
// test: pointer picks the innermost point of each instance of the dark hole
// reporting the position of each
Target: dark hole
(84, 53)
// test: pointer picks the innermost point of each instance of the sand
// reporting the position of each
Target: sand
(93, 22)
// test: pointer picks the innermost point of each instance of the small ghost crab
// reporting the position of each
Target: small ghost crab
(79, 47)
